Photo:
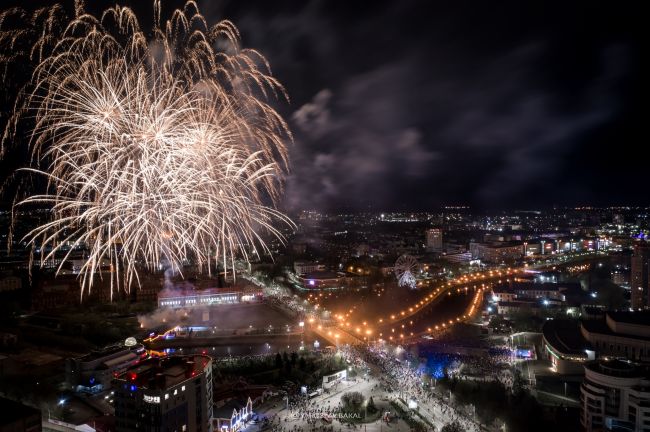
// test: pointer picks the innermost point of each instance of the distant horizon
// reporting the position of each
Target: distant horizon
(479, 209)
(5, 207)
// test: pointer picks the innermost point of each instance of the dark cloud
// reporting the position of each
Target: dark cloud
(391, 137)
(505, 112)
(409, 104)
(357, 145)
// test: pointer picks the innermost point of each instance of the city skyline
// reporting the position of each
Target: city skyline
(322, 215)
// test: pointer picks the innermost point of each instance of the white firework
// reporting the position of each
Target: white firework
(406, 267)
(156, 148)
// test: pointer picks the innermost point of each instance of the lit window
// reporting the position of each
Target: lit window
(166, 396)
(183, 388)
(175, 392)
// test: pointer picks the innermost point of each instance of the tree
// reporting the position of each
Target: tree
(452, 427)
(278, 361)
(294, 358)
(352, 400)
(518, 384)
(453, 383)
(371, 406)
(302, 364)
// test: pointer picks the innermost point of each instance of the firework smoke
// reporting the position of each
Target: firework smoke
(160, 148)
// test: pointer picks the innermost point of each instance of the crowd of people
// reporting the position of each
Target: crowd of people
(485, 364)
(313, 414)
(396, 375)
(401, 375)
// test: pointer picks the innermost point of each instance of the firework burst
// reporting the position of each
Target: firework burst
(159, 148)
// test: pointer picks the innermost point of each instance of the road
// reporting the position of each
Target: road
(410, 323)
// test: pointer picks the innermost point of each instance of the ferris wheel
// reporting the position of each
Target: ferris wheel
(406, 267)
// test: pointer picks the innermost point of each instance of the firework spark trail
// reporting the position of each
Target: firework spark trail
(160, 148)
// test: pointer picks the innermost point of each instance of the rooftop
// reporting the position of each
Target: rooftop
(600, 326)
(565, 337)
(184, 292)
(617, 368)
(531, 303)
(638, 317)
(162, 373)
(536, 286)
(104, 352)
(322, 275)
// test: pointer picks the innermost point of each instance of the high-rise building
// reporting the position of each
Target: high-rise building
(497, 253)
(434, 240)
(168, 394)
(615, 395)
(639, 275)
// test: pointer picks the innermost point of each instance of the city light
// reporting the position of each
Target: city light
(428, 267)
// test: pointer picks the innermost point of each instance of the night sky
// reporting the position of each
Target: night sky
(409, 105)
